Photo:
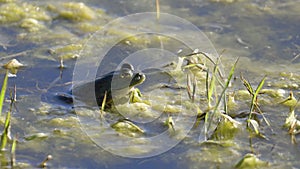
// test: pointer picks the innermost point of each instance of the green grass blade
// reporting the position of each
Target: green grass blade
(104, 101)
(14, 145)
(188, 86)
(253, 103)
(254, 97)
(227, 82)
(4, 136)
(223, 91)
(6, 130)
(265, 119)
(102, 112)
(259, 87)
(13, 152)
(194, 88)
(207, 87)
(212, 85)
(211, 88)
(3, 90)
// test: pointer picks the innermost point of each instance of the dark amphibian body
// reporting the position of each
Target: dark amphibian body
(114, 85)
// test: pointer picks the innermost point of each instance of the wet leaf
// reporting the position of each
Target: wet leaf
(292, 123)
(254, 125)
(36, 136)
(13, 66)
(226, 129)
(251, 161)
(126, 127)
(136, 97)
(170, 123)
(291, 101)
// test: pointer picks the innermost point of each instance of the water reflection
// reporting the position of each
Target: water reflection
(265, 34)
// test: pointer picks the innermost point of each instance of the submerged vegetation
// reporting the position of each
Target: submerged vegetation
(6, 139)
(226, 105)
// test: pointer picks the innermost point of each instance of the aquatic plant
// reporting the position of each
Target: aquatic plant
(6, 136)
(157, 9)
(222, 95)
(13, 151)
(215, 87)
(251, 123)
(44, 164)
(6, 131)
(250, 161)
(291, 121)
(102, 112)
(3, 90)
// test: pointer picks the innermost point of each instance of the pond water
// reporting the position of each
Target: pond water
(264, 35)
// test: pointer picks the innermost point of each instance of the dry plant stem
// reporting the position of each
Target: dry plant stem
(221, 96)
(14, 55)
(157, 10)
(44, 162)
(103, 105)
(213, 62)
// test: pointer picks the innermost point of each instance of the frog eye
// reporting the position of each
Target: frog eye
(138, 77)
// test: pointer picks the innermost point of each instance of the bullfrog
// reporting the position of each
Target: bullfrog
(116, 84)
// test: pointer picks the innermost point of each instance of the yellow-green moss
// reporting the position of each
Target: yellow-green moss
(31, 24)
(11, 12)
(74, 11)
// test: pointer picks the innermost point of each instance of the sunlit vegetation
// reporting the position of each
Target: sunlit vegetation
(220, 118)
